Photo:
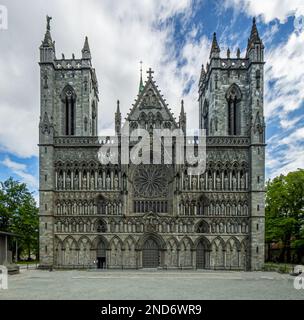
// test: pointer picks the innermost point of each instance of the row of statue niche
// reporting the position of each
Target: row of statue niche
(200, 184)
(100, 184)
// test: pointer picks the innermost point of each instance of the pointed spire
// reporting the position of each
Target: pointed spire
(182, 108)
(118, 109)
(254, 35)
(86, 53)
(203, 74)
(215, 49)
(48, 42)
(228, 53)
(141, 86)
(182, 117)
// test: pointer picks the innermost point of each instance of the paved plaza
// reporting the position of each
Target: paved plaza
(150, 284)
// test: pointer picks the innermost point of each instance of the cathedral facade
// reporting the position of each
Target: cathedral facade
(133, 216)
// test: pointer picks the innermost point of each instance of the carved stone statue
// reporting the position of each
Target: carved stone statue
(202, 182)
(243, 183)
(218, 183)
(60, 182)
(76, 182)
(84, 182)
(194, 183)
(210, 183)
(226, 183)
(108, 182)
(68, 183)
(92, 183)
(234, 186)
(116, 182)
(186, 186)
(99, 182)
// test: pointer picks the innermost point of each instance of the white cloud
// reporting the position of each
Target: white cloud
(284, 76)
(268, 9)
(20, 170)
(119, 36)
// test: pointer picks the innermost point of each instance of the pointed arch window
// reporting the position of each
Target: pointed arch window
(68, 98)
(234, 96)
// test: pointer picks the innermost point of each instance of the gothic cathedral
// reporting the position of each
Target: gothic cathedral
(95, 215)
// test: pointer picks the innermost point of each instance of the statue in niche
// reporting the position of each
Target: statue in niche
(60, 182)
(218, 183)
(234, 186)
(74, 208)
(76, 182)
(116, 182)
(194, 183)
(210, 182)
(84, 182)
(68, 183)
(243, 183)
(202, 182)
(92, 183)
(99, 182)
(186, 186)
(226, 182)
(108, 182)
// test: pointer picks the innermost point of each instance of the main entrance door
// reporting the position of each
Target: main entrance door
(101, 255)
(150, 254)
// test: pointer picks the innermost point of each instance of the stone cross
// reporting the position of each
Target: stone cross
(150, 72)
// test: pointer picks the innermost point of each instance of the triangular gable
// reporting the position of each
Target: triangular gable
(150, 100)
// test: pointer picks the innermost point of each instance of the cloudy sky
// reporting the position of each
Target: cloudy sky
(173, 38)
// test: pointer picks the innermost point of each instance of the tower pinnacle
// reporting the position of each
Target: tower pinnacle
(141, 86)
(215, 49)
(86, 53)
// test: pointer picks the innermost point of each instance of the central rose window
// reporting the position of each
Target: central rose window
(151, 181)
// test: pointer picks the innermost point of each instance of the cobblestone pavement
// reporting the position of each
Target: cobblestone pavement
(150, 284)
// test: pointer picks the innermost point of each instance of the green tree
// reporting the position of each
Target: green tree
(284, 211)
(19, 214)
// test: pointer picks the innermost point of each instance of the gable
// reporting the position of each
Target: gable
(151, 107)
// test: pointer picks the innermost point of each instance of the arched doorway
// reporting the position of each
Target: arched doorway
(101, 255)
(150, 254)
(202, 254)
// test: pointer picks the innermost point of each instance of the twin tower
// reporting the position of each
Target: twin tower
(130, 216)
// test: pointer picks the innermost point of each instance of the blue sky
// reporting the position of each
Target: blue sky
(173, 38)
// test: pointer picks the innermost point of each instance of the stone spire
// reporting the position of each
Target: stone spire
(117, 119)
(254, 35)
(86, 53)
(182, 117)
(141, 86)
(215, 49)
(47, 41)
(255, 42)
(203, 75)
